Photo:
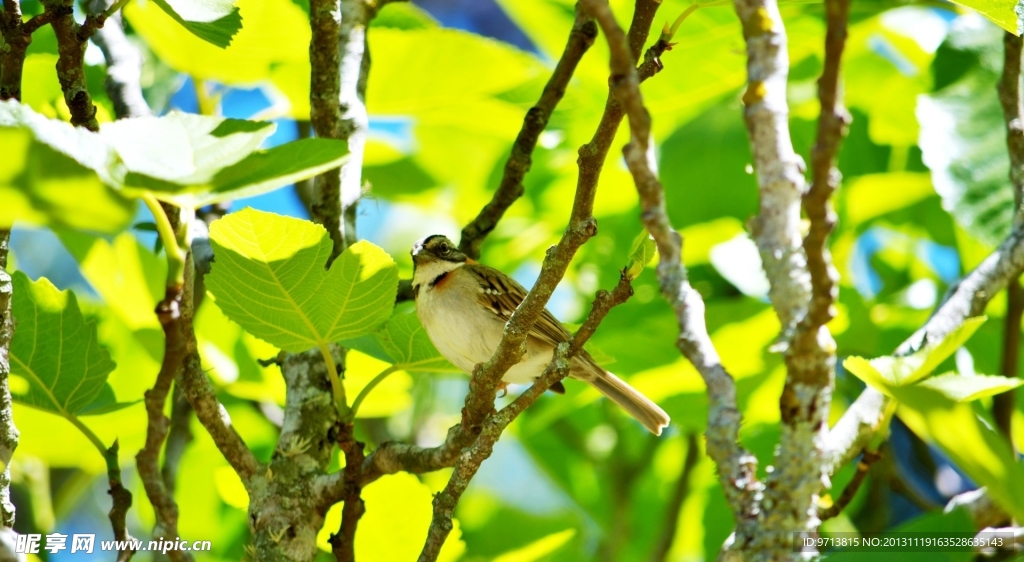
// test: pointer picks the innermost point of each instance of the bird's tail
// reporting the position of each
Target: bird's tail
(636, 404)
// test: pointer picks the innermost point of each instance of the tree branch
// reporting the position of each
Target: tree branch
(325, 110)
(168, 311)
(343, 542)
(792, 489)
(179, 435)
(17, 36)
(124, 65)
(983, 511)
(470, 459)
(340, 62)
(71, 63)
(1010, 100)
(201, 394)
(737, 468)
(519, 161)
(780, 171)
(121, 502)
(8, 431)
(844, 499)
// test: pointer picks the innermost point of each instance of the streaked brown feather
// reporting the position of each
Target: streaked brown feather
(502, 295)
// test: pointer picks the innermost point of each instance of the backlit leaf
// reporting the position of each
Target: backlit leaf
(971, 443)
(57, 351)
(213, 21)
(54, 174)
(268, 275)
(404, 343)
(964, 388)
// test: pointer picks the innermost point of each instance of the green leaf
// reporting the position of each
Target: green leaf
(56, 175)
(57, 351)
(260, 172)
(539, 549)
(268, 275)
(195, 160)
(963, 388)
(865, 370)
(1001, 12)
(963, 139)
(971, 443)
(872, 195)
(213, 21)
(403, 15)
(641, 254)
(272, 45)
(184, 147)
(404, 343)
(888, 371)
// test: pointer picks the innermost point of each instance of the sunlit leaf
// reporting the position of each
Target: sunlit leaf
(872, 195)
(641, 254)
(214, 21)
(971, 443)
(404, 343)
(56, 350)
(268, 275)
(1002, 12)
(890, 371)
(963, 141)
(195, 160)
(539, 549)
(964, 388)
(54, 174)
(272, 44)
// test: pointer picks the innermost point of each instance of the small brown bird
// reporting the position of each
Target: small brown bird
(464, 307)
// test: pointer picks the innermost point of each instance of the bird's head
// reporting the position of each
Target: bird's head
(434, 256)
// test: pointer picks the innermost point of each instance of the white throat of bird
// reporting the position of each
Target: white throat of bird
(427, 272)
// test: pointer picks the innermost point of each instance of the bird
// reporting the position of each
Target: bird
(464, 305)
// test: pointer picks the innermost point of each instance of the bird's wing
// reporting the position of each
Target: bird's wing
(501, 295)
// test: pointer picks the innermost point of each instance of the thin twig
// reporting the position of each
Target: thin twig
(793, 487)
(780, 171)
(121, 502)
(168, 312)
(179, 435)
(844, 499)
(519, 161)
(737, 468)
(325, 109)
(17, 36)
(470, 459)
(344, 541)
(71, 63)
(670, 524)
(1010, 100)
(979, 505)
(201, 394)
(124, 65)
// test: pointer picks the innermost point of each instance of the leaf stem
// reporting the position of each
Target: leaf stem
(175, 254)
(93, 438)
(337, 389)
(369, 387)
(114, 8)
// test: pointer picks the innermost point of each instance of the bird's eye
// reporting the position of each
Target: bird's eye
(445, 249)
